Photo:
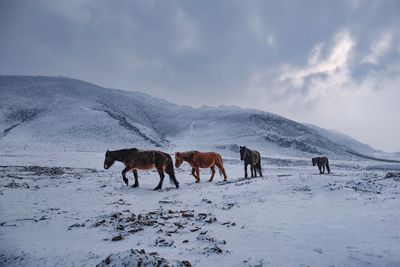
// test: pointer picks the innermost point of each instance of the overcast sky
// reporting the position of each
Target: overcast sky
(332, 63)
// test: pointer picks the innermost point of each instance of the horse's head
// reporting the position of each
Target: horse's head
(242, 152)
(314, 161)
(109, 160)
(178, 159)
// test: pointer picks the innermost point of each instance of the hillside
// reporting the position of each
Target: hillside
(57, 113)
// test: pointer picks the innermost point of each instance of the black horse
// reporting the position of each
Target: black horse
(321, 163)
(252, 158)
(135, 159)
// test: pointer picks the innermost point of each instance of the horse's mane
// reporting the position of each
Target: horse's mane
(187, 155)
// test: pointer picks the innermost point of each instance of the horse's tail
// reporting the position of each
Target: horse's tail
(169, 169)
(327, 165)
(220, 165)
(259, 167)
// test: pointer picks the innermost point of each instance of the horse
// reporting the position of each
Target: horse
(252, 158)
(135, 159)
(199, 160)
(321, 163)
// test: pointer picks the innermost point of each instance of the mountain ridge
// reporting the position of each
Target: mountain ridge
(49, 111)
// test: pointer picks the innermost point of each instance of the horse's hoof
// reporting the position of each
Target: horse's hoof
(135, 185)
(157, 188)
(197, 181)
(209, 180)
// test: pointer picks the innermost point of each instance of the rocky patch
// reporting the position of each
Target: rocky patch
(134, 257)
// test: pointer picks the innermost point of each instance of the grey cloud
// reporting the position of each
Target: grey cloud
(199, 52)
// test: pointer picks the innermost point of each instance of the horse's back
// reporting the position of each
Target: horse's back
(255, 155)
(207, 159)
(147, 159)
(322, 160)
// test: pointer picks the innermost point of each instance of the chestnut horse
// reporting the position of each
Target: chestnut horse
(198, 160)
(135, 159)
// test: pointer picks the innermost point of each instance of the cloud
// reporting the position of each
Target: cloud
(289, 83)
(305, 60)
(334, 64)
(256, 25)
(324, 92)
(188, 32)
(379, 48)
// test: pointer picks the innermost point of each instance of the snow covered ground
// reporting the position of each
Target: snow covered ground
(71, 212)
(59, 207)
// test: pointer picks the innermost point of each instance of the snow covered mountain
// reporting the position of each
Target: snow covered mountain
(345, 140)
(58, 113)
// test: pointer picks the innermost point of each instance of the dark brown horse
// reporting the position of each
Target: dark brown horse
(199, 160)
(321, 163)
(252, 158)
(135, 159)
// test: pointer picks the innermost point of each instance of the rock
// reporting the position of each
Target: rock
(117, 238)
(179, 225)
(161, 242)
(76, 225)
(135, 230)
(214, 249)
(211, 219)
(116, 215)
(134, 257)
(98, 223)
(392, 174)
(187, 214)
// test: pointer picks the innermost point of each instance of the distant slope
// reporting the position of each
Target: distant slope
(66, 114)
(373, 158)
(344, 140)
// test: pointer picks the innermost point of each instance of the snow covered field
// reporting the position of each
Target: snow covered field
(72, 212)
(58, 206)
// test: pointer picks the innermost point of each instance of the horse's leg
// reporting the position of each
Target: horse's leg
(212, 173)
(222, 170)
(251, 169)
(170, 171)
(323, 168)
(259, 168)
(124, 171)
(197, 174)
(194, 173)
(327, 167)
(162, 175)
(320, 168)
(245, 170)
(135, 174)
